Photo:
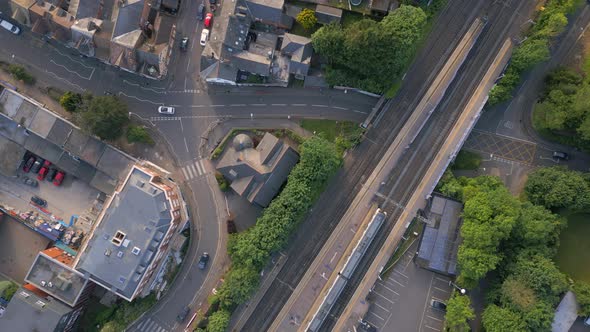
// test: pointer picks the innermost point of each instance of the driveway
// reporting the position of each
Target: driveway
(401, 300)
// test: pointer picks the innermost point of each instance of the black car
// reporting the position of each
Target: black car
(182, 315)
(558, 155)
(184, 44)
(438, 305)
(29, 181)
(39, 201)
(51, 174)
(37, 166)
(201, 12)
(203, 261)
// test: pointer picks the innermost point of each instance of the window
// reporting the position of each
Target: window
(136, 251)
(118, 238)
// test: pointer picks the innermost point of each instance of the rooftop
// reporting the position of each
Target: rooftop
(566, 313)
(440, 239)
(127, 237)
(28, 311)
(51, 273)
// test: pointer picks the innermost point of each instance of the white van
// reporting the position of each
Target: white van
(204, 37)
(9, 26)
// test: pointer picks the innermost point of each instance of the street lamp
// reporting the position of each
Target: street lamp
(463, 291)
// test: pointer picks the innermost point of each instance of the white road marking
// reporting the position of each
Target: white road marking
(436, 319)
(184, 172)
(186, 145)
(198, 167)
(378, 305)
(397, 282)
(443, 280)
(203, 166)
(181, 126)
(361, 112)
(136, 98)
(389, 289)
(190, 171)
(298, 105)
(278, 104)
(258, 105)
(73, 71)
(443, 290)
(403, 275)
(386, 299)
(432, 328)
(237, 105)
(65, 80)
(340, 108)
(374, 314)
(319, 105)
(192, 167)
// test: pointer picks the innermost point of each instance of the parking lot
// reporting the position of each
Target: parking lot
(402, 300)
(64, 202)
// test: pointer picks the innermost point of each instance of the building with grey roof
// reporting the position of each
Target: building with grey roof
(56, 278)
(566, 313)
(299, 50)
(440, 239)
(257, 173)
(131, 236)
(327, 15)
(38, 130)
(32, 310)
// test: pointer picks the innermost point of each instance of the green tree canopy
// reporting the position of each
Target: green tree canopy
(582, 291)
(498, 319)
(557, 187)
(459, 312)
(307, 18)
(239, 283)
(541, 275)
(219, 321)
(537, 230)
(137, 134)
(106, 116)
(71, 101)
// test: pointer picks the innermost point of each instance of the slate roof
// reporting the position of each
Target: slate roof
(258, 173)
(253, 63)
(440, 239)
(25, 313)
(128, 17)
(84, 8)
(141, 212)
(300, 50)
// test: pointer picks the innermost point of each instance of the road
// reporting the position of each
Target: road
(197, 106)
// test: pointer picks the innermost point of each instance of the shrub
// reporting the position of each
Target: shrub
(71, 101)
(21, 74)
(307, 18)
(139, 134)
(222, 181)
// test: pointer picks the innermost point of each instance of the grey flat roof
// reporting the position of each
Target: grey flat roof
(61, 281)
(566, 313)
(12, 154)
(141, 212)
(440, 241)
(25, 313)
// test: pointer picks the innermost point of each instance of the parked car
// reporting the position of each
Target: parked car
(438, 305)
(59, 178)
(204, 37)
(208, 20)
(42, 173)
(587, 321)
(37, 165)
(39, 201)
(203, 261)
(169, 110)
(28, 181)
(184, 44)
(558, 155)
(51, 174)
(182, 315)
(10, 27)
(28, 164)
(201, 12)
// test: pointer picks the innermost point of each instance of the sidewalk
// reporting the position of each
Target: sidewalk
(215, 134)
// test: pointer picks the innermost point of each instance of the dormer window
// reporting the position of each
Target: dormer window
(118, 238)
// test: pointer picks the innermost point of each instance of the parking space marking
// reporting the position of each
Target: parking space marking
(389, 289)
(397, 282)
(379, 317)
(443, 280)
(378, 305)
(386, 299)
(443, 290)
(436, 319)
(403, 275)
(432, 328)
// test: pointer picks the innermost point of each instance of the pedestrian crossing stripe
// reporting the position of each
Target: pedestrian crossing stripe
(194, 169)
(164, 118)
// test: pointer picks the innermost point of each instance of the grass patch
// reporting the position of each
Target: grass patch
(574, 248)
(416, 227)
(466, 160)
(329, 129)
(54, 93)
(348, 18)
(394, 89)
(19, 72)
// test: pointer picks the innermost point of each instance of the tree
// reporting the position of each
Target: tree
(71, 101)
(219, 321)
(139, 134)
(239, 283)
(540, 317)
(475, 264)
(531, 52)
(516, 294)
(542, 276)
(582, 291)
(329, 41)
(8, 289)
(497, 319)
(106, 117)
(459, 311)
(307, 18)
(557, 187)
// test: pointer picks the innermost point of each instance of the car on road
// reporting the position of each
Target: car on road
(203, 261)
(37, 165)
(28, 181)
(51, 174)
(558, 155)
(204, 37)
(587, 321)
(201, 12)
(184, 44)
(182, 315)
(168, 110)
(59, 178)
(438, 305)
(9, 26)
(39, 201)
(208, 20)
(28, 164)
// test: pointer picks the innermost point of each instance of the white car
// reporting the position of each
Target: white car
(168, 110)
(204, 37)
(9, 26)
